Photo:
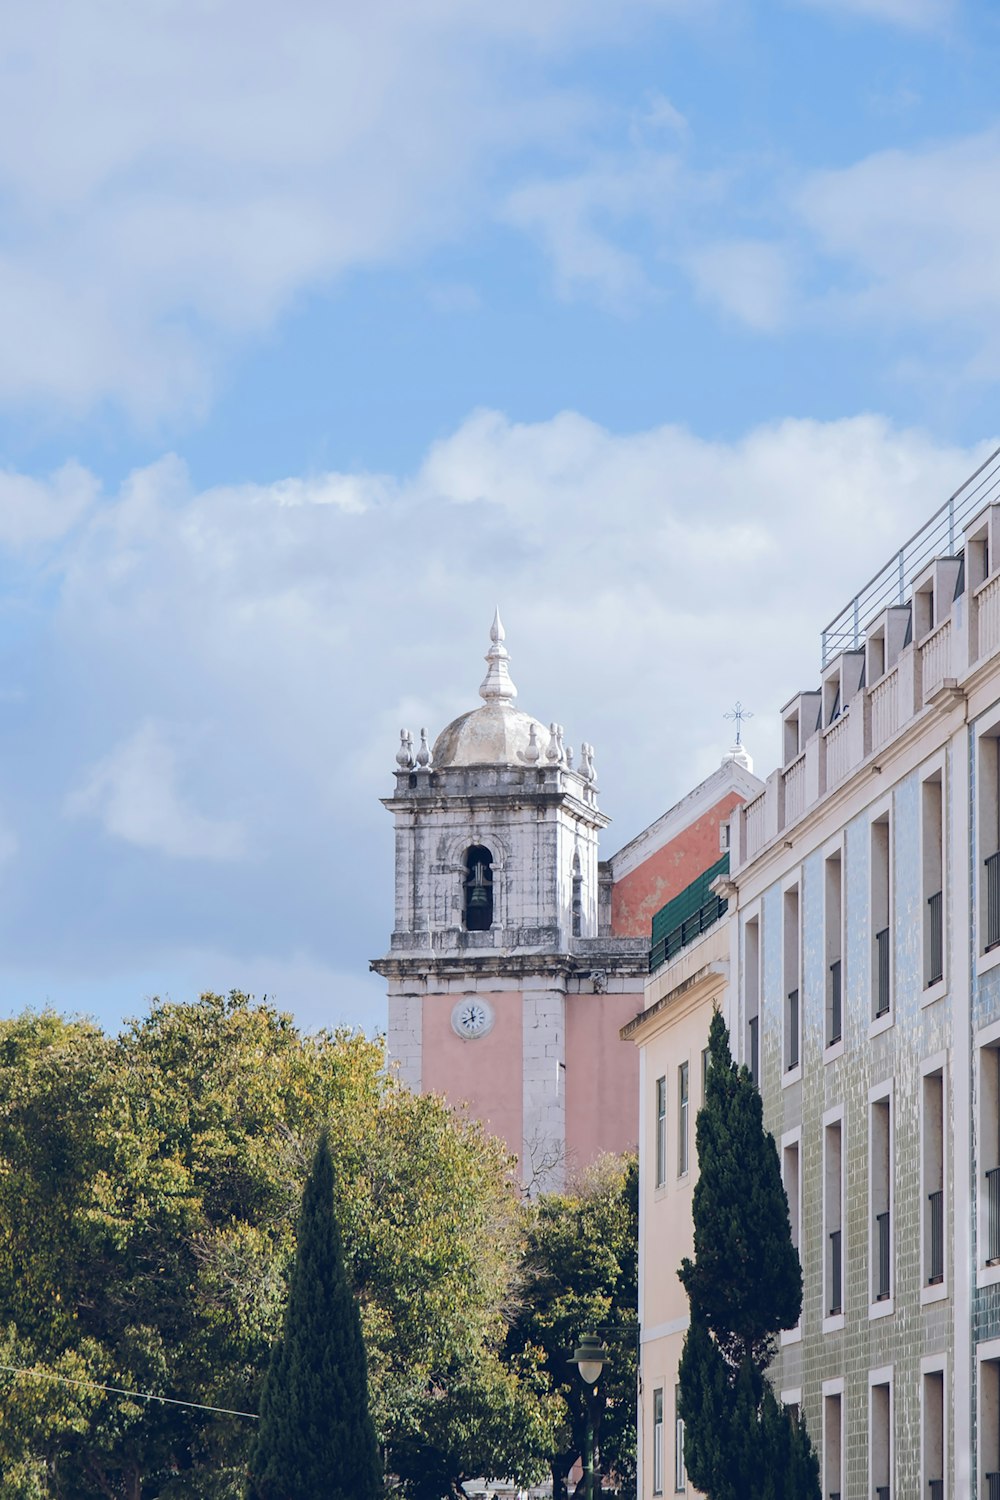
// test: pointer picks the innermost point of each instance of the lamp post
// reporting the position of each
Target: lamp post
(590, 1359)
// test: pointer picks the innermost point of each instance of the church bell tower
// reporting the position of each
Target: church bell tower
(500, 969)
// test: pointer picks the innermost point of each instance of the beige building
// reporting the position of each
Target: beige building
(691, 976)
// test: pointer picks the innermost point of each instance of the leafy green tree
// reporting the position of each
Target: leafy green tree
(744, 1284)
(149, 1189)
(316, 1439)
(579, 1272)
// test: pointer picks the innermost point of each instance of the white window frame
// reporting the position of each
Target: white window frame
(934, 1364)
(833, 1390)
(789, 973)
(791, 1141)
(882, 1093)
(986, 1040)
(878, 1378)
(935, 770)
(684, 1118)
(657, 1429)
(754, 918)
(660, 1132)
(835, 850)
(882, 813)
(987, 728)
(833, 1323)
(680, 1470)
(931, 1065)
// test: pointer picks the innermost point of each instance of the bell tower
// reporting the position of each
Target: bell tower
(500, 957)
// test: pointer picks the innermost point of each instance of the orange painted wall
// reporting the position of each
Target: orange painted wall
(638, 896)
(602, 1078)
(484, 1073)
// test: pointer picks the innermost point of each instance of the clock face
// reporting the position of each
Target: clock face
(472, 1017)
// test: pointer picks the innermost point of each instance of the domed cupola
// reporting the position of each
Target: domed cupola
(497, 734)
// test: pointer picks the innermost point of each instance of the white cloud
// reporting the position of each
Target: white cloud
(578, 220)
(34, 510)
(173, 176)
(133, 792)
(748, 278)
(269, 653)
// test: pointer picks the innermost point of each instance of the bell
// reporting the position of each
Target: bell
(479, 895)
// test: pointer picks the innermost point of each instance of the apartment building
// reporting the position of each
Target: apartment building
(864, 943)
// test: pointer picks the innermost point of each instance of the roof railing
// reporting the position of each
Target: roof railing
(937, 537)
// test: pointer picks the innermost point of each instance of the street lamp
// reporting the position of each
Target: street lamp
(590, 1359)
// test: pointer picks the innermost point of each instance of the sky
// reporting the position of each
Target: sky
(326, 328)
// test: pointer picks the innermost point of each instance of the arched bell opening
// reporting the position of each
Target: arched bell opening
(577, 907)
(478, 889)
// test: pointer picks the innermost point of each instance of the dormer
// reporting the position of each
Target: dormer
(799, 722)
(842, 679)
(885, 638)
(982, 548)
(933, 594)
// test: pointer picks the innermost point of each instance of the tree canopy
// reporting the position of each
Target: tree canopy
(149, 1189)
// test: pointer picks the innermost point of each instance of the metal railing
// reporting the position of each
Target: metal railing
(935, 933)
(993, 1216)
(993, 899)
(693, 926)
(939, 536)
(836, 1016)
(792, 1038)
(882, 1257)
(754, 1030)
(836, 1302)
(935, 1268)
(882, 972)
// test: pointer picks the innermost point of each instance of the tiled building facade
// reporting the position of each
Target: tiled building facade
(865, 933)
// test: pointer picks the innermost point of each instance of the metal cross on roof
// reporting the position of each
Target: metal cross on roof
(739, 713)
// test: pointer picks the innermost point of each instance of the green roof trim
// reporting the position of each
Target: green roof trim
(685, 917)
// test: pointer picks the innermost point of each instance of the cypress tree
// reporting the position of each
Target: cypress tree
(316, 1438)
(744, 1284)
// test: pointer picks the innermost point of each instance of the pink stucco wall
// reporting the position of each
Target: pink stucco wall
(484, 1073)
(638, 896)
(602, 1077)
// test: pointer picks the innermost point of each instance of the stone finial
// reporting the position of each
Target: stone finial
(404, 755)
(424, 753)
(587, 770)
(533, 754)
(740, 754)
(496, 686)
(569, 757)
(553, 751)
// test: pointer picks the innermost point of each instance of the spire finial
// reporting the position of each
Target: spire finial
(496, 686)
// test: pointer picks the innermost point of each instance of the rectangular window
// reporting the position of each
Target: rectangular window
(932, 846)
(832, 1444)
(881, 977)
(880, 1438)
(682, 1119)
(933, 1432)
(880, 1197)
(834, 908)
(933, 1194)
(833, 1197)
(751, 991)
(705, 1056)
(989, 1152)
(791, 957)
(661, 1132)
(680, 1473)
(791, 1179)
(989, 1427)
(658, 1442)
(988, 767)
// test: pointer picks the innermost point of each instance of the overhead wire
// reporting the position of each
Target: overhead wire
(117, 1390)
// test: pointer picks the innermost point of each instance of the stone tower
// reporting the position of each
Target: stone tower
(506, 990)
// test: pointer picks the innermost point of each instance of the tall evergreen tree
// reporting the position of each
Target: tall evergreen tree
(316, 1438)
(744, 1284)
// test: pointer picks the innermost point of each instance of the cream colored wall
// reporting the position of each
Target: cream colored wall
(672, 1030)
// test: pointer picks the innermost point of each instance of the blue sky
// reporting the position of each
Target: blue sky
(326, 327)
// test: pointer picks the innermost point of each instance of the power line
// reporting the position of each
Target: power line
(117, 1390)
